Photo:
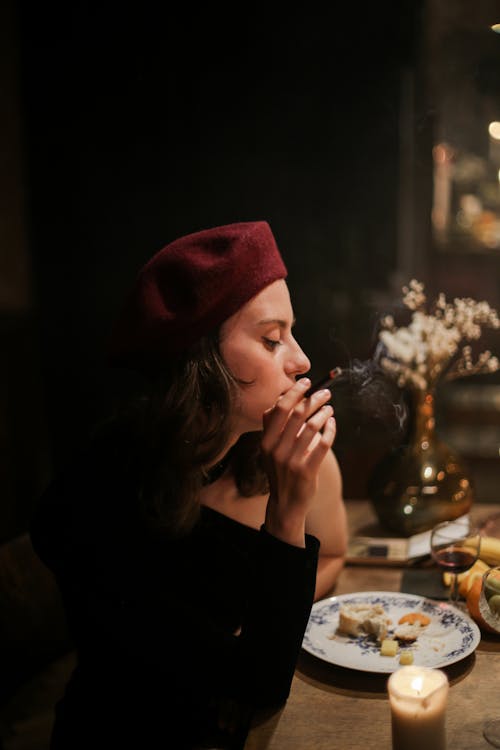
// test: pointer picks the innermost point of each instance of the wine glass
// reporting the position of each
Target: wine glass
(455, 548)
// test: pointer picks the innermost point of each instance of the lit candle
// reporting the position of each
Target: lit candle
(418, 696)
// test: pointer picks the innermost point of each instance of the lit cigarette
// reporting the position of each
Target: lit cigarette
(325, 382)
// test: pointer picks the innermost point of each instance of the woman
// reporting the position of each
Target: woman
(185, 541)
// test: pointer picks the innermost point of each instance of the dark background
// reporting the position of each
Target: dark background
(137, 125)
(141, 126)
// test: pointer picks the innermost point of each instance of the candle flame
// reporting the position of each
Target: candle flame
(417, 683)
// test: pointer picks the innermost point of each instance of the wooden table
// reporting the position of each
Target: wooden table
(333, 708)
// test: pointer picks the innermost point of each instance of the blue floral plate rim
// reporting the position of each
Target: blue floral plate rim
(451, 635)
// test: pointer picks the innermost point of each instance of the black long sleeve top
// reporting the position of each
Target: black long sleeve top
(167, 632)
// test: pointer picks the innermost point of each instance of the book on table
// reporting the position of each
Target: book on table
(375, 550)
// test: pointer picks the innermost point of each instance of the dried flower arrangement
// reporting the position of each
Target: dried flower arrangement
(433, 348)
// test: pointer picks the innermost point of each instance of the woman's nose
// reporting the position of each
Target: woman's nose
(299, 361)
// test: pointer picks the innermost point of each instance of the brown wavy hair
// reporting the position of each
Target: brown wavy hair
(179, 426)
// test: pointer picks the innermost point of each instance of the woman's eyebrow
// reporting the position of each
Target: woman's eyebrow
(276, 321)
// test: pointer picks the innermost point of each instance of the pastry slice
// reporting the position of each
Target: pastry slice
(363, 619)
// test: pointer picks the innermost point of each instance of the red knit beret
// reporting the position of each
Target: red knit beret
(189, 288)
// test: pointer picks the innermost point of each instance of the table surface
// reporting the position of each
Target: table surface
(334, 707)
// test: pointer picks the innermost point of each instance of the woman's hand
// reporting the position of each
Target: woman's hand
(298, 433)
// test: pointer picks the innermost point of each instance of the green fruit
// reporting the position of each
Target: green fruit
(494, 604)
(492, 586)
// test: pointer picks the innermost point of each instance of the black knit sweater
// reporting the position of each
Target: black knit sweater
(169, 634)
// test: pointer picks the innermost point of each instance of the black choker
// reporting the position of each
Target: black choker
(214, 472)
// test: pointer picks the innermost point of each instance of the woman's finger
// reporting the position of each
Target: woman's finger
(313, 457)
(298, 433)
(312, 427)
(276, 417)
(287, 417)
(311, 434)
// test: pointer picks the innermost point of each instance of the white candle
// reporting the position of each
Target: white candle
(418, 697)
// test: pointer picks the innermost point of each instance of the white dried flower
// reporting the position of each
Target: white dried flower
(432, 347)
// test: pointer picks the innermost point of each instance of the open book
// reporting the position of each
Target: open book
(366, 550)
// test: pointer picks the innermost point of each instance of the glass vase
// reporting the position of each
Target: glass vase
(424, 482)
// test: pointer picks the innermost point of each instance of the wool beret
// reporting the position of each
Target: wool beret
(189, 288)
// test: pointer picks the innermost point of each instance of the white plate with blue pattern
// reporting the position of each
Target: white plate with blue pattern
(450, 636)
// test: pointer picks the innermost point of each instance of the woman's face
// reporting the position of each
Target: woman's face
(258, 347)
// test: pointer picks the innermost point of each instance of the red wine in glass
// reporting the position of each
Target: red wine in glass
(455, 559)
(455, 548)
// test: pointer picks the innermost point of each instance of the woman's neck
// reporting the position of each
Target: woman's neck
(216, 470)
(218, 466)
(222, 495)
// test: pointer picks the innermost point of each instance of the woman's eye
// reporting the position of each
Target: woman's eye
(271, 343)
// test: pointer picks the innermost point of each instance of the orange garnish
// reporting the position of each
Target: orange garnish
(413, 617)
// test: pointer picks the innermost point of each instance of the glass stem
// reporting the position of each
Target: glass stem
(454, 588)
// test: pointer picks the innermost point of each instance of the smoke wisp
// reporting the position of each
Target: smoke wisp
(369, 407)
